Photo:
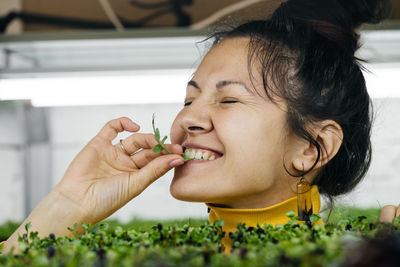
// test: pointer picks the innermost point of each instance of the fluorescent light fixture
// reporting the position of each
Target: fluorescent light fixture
(146, 87)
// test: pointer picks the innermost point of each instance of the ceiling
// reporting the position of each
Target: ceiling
(78, 15)
(48, 48)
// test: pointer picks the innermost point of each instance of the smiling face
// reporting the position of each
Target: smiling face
(243, 132)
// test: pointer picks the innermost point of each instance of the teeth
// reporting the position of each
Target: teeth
(206, 156)
(192, 154)
(198, 155)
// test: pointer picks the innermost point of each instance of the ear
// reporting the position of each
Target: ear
(329, 136)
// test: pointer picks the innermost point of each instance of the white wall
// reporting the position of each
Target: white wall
(11, 163)
(70, 128)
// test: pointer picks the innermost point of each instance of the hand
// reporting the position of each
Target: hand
(102, 178)
(389, 213)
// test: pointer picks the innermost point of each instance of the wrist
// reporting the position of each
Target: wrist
(54, 214)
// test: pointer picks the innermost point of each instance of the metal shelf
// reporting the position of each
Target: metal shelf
(99, 51)
(68, 53)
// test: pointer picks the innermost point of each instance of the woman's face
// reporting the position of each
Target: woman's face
(245, 132)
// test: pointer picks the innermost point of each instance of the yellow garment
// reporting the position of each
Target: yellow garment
(1, 246)
(275, 214)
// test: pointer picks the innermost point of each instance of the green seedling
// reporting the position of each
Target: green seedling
(160, 146)
(198, 243)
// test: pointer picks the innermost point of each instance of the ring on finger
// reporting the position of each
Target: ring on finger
(123, 148)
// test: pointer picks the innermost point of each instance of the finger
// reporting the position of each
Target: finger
(139, 141)
(152, 171)
(174, 148)
(143, 157)
(388, 213)
(146, 141)
(113, 127)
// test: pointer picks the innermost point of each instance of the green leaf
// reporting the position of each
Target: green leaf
(33, 235)
(396, 221)
(315, 218)
(184, 157)
(290, 214)
(27, 226)
(157, 135)
(86, 226)
(72, 229)
(103, 226)
(119, 231)
(160, 147)
(157, 149)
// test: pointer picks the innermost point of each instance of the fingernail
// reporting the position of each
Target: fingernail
(176, 162)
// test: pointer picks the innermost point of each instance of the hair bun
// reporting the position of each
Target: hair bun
(366, 11)
(335, 20)
(347, 14)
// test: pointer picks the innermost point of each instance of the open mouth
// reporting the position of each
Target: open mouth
(201, 154)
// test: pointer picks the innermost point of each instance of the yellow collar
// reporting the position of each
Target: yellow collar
(275, 214)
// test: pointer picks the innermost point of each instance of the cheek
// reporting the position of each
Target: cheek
(256, 148)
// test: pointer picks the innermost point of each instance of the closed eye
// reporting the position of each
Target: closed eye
(229, 101)
(223, 102)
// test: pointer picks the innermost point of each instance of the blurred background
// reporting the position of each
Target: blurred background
(68, 67)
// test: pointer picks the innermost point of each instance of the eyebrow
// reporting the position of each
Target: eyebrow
(221, 84)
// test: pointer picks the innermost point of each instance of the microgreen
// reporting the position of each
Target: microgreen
(186, 244)
(27, 226)
(160, 146)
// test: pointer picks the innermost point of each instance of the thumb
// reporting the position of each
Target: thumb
(152, 171)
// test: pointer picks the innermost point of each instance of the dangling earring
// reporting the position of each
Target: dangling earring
(304, 204)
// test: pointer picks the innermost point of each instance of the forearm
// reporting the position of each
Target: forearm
(54, 214)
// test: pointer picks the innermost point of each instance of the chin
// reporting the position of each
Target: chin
(185, 190)
(181, 191)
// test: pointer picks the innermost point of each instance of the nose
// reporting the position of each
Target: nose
(196, 119)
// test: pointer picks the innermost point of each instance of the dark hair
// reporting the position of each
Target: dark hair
(306, 52)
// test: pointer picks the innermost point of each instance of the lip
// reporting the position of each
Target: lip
(200, 162)
(195, 145)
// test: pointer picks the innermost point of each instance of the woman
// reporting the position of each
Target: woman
(272, 103)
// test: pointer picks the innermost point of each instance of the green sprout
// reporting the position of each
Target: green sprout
(160, 146)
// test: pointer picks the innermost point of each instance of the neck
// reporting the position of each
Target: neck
(258, 200)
